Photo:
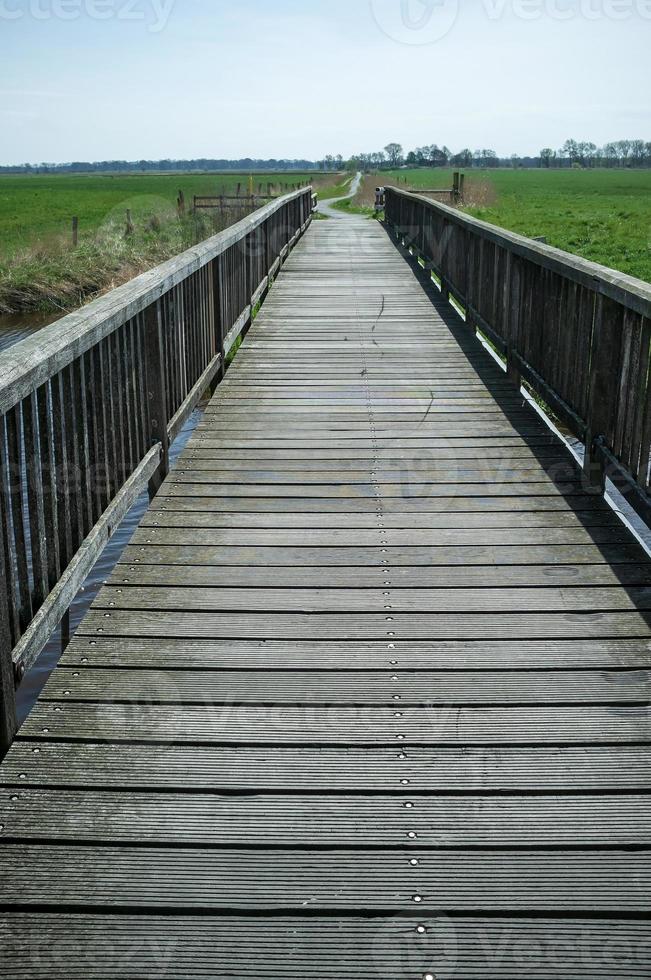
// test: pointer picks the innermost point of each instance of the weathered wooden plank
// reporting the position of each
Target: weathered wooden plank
(417, 578)
(384, 556)
(354, 538)
(435, 654)
(347, 626)
(397, 727)
(423, 688)
(322, 948)
(88, 878)
(210, 820)
(437, 600)
(352, 770)
(427, 520)
(452, 503)
(194, 486)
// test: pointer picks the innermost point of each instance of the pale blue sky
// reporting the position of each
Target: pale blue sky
(302, 78)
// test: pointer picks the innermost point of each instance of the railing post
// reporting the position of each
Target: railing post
(514, 311)
(8, 722)
(443, 257)
(218, 318)
(156, 393)
(602, 372)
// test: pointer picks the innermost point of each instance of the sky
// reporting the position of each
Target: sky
(155, 79)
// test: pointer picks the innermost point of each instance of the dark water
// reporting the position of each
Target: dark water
(19, 326)
(13, 330)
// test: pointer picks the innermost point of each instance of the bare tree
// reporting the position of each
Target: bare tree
(394, 153)
(547, 156)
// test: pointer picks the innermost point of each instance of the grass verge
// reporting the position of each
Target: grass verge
(56, 277)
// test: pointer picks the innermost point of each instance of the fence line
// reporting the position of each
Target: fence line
(578, 333)
(90, 405)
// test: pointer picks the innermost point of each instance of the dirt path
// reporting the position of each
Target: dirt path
(325, 207)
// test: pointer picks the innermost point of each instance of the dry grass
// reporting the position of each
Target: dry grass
(365, 197)
(479, 193)
(53, 276)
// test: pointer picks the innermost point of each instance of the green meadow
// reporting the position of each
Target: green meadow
(603, 215)
(37, 209)
(41, 271)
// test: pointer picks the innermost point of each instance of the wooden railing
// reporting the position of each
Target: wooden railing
(90, 405)
(577, 333)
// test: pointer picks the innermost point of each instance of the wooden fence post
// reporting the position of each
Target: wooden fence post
(8, 724)
(156, 393)
(604, 363)
(180, 204)
(514, 307)
(218, 308)
(75, 232)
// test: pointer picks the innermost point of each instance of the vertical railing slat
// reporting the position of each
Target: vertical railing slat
(157, 401)
(48, 471)
(18, 491)
(35, 507)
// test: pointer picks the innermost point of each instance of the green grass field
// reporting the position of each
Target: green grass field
(34, 210)
(603, 215)
(328, 193)
(41, 272)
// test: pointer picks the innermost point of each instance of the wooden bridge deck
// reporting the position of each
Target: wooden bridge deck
(366, 695)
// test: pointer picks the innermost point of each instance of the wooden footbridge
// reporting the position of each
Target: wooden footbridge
(367, 695)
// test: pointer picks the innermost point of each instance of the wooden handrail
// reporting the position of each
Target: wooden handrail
(90, 405)
(578, 333)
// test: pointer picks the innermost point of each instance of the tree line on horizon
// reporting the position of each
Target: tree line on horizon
(573, 153)
(160, 166)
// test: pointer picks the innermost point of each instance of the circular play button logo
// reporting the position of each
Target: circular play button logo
(415, 22)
